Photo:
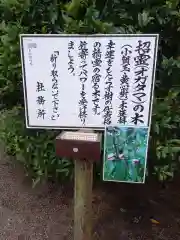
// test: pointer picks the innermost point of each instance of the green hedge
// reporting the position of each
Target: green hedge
(35, 148)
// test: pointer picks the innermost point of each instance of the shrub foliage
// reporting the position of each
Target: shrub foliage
(35, 148)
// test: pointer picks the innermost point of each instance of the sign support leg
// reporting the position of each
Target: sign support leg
(83, 200)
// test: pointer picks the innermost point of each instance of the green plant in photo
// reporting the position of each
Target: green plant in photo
(125, 154)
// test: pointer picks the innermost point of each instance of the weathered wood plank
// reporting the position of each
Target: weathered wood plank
(83, 200)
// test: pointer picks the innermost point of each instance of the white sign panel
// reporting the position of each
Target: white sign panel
(74, 81)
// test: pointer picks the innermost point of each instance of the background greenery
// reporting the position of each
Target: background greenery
(35, 148)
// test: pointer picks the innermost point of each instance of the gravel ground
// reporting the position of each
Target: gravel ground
(120, 211)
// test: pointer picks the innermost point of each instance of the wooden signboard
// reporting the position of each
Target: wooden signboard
(95, 82)
(92, 81)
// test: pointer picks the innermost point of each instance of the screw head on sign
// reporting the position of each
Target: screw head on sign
(75, 150)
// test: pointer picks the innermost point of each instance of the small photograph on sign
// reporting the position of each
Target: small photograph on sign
(125, 154)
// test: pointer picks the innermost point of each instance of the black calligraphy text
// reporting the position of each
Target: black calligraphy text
(96, 63)
(108, 96)
(124, 83)
(83, 54)
(141, 63)
(71, 58)
(41, 112)
(55, 88)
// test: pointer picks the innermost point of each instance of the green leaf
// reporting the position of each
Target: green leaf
(36, 181)
(144, 19)
(161, 177)
(175, 149)
(169, 174)
(175, 141)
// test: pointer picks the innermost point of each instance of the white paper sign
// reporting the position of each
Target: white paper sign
(74, 81)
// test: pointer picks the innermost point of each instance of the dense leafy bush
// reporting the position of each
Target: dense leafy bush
(35, 149)
(88, 16)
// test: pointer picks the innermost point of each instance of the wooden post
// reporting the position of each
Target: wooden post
(83, 200)
(84, 147)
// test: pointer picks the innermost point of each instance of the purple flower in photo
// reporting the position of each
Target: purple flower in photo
(111, 157)
(136, 161)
